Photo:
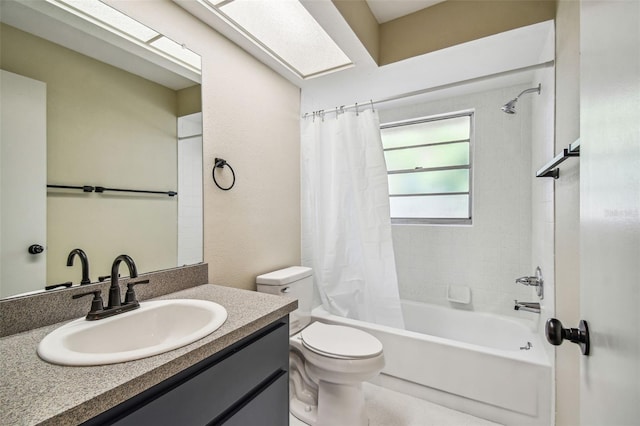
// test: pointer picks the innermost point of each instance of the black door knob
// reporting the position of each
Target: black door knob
(36, 249)
(556, 334)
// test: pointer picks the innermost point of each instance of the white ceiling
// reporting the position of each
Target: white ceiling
(500, 60)
(388, 10)
(494, 55)
(512, 50)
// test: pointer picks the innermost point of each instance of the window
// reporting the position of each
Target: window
(429, 168)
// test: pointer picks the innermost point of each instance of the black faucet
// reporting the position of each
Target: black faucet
(85, 264)
(114, 291)
(115, 305)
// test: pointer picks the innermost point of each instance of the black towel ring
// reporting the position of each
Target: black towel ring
(220, 163)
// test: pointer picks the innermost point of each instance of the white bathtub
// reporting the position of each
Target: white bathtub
(468, 361)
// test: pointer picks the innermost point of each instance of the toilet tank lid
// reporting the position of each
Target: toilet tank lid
(284, 276)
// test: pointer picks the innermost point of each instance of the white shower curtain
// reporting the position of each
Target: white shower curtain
(346, 229)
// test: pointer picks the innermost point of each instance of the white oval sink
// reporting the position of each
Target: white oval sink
(154, 328)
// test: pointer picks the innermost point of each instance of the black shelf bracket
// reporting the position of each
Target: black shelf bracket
(551, 168)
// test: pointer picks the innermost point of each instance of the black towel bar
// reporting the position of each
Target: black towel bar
(100, 189)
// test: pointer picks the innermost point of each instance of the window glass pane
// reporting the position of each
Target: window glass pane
(436, 206)
(455, 154)
(429, 182)
(445, 130)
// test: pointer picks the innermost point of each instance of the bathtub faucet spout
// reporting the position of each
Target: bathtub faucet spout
(527, 306)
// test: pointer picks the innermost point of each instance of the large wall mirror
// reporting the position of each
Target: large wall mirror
(92, 99)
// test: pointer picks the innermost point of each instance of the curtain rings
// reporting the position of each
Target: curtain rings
(339, 110)
(319, 114)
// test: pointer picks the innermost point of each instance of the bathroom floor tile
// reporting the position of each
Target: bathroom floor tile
(390, 408)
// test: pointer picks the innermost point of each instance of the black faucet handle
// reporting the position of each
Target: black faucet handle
(96, 303)
(103, 278)
(53, 286)
(130, 296)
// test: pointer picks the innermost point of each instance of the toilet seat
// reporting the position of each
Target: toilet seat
(340, 342)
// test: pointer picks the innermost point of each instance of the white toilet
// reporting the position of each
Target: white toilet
(328, 363)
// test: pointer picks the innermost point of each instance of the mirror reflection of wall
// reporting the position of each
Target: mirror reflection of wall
(190, 225)
(112, 128)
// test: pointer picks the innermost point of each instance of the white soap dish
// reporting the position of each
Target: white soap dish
(459, 294)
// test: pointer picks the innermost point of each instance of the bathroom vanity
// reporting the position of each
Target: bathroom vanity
(233, 376)
(230, 387)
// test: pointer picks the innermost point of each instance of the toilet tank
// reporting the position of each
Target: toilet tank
(296, 282)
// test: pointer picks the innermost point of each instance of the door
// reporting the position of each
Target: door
(23, 180)
(610, 210)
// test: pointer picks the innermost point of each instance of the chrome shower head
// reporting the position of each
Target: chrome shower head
(510, 107)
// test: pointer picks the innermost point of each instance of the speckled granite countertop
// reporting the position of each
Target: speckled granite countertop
(35, 392)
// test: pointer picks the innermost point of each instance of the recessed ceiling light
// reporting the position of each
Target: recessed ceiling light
(285, 30)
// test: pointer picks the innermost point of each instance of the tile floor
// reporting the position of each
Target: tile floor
(390, 408)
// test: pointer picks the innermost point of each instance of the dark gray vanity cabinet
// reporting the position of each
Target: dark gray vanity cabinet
(246, 384)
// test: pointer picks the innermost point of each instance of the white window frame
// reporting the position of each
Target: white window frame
(432, 220)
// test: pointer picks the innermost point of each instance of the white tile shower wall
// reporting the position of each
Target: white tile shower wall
(490, 254)
(542, 208)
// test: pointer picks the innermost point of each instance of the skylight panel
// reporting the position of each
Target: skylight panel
(112, 17)
(286, 30)
(118, 23)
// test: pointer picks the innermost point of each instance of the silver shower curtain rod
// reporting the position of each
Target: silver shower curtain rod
(372, 103)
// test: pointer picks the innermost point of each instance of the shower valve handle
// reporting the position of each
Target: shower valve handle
(556, 334)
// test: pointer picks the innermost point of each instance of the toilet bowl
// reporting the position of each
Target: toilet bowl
(327, 363)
